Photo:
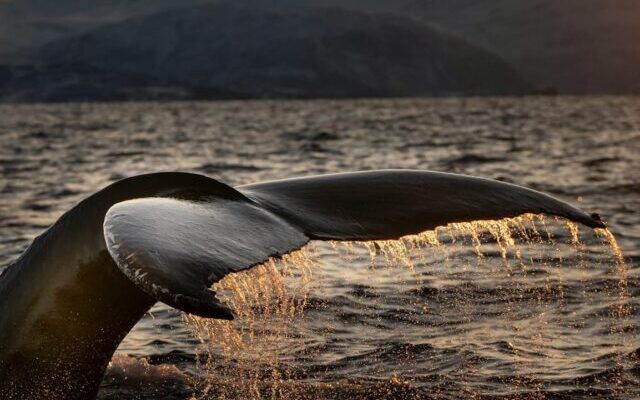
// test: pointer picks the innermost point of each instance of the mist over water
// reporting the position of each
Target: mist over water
(539, 310)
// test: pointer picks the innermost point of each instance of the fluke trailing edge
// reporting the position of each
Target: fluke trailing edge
(70, 299)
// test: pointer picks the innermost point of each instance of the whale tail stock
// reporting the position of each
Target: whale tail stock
(81, 286)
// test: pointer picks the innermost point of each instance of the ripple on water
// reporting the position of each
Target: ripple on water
(553, 323)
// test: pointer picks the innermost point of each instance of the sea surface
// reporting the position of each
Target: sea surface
(551, 315)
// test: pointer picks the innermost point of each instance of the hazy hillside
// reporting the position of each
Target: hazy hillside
(219, 51)
(25, 24)
(576, 46)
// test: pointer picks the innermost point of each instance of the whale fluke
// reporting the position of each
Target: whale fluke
(175, 250)
(70, 299)
(387, 204)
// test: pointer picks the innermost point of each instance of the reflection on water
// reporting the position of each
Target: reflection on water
(271, 350)
(246, 353)
(535, 309)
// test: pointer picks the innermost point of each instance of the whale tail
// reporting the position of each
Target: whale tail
(175, 249)
(68, 301)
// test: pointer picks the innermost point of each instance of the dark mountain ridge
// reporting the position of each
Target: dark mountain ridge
(229, 51)
(568, 46)
(574, 46)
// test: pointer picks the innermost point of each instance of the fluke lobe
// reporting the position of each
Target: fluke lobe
(73, 295)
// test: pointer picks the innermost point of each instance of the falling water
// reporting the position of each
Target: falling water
(620, 313)
(266, 301)
(255, 355)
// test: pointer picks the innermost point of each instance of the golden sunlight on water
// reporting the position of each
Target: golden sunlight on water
(621, 311)
(266, 301)
(254, 356)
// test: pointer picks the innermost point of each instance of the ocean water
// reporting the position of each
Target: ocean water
(552, 314)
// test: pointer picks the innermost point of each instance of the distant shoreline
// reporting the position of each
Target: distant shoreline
(311, 99)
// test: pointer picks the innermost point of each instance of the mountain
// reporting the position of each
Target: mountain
(229, 51)
(569, 46)
(574, 46)
(26, 24)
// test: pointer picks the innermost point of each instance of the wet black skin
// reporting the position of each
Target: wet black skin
(70, 348)
(64, 304)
